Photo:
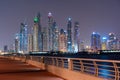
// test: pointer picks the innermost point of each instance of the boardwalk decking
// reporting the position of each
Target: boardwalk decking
(16, 70)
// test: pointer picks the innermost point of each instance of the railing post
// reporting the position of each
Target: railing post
(56, 62)
(25, 58)
(62, 63)
(116, 71)
(53, 61)
(41, 59)
(96, 68)
(30, 57)
(82, 66)
(70, 64)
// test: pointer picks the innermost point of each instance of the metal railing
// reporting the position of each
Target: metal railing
(100, 68)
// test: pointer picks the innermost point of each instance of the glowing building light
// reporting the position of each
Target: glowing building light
(104, 38)
(69, 19)
(93, 33)
(49, 14)
(35, 19)
(69, 42)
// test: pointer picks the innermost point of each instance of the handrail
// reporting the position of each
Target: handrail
(90, 66)
(99, 60)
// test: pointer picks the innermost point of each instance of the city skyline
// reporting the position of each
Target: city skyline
(99, 16)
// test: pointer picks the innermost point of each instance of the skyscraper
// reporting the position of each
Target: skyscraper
(55, 34)
(69, 35)
(50, 25)
(23, 38)
(37, 40)
(62, 41)
(45, 38)
(16, 44)
(5, 48)
(95, 41)
(30, 42)
(112, 41)
(104, 43)
(118, 44)
(76, 36)
(82, 46)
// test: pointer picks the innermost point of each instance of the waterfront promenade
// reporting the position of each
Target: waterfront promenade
(17, 70)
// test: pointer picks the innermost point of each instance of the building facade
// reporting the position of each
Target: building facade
(55, 34)
(23, 38)
(76, 36)
(30, 42)
(112, 42)
(95, 42)
(69, 35)
(62, 41)
(104, 43)
(37, 34)
(45, 38)
(50, 25)
(16, 43)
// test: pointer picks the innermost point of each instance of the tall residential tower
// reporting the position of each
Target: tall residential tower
(69, 35)
(95, 41)
(23, 38)
(37, 35)
(62, 41)
(76, 36)
(50, 25)
(112, 42)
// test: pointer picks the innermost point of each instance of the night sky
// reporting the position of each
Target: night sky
(101, 16)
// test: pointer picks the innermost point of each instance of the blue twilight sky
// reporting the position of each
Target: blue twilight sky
(102, 16)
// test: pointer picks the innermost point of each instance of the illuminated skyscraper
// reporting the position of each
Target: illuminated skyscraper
(45, 38)
(30, 42)
(95, 41)
(23, 38)
(50, 29)
(5, 48)
(82, 46)
(112, 42)
(104, 43)
(62, 41)
(17, 43)
(37, 36)
(69, 35)
(21, 41)
(76, 36)
(55, 34)
(119, 44)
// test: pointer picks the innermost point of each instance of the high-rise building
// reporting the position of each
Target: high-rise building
(55, 34)
(69, 35)
(17, 44)
(76, 36)
(104, 43)
(23, 37)
(62, 41)
(50, 29)
(45, 38)
(112, 42)
(82, 46)
(95, 41)
(5, 48)
(37, 35)
(119, 44)
(30, 42)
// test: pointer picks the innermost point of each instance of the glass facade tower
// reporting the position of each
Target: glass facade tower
(95, 41)
(76, 36)
(69, 35)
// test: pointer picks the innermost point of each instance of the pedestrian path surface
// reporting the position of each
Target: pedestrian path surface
(16, 70)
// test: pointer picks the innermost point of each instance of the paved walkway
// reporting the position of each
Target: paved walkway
(16, 70)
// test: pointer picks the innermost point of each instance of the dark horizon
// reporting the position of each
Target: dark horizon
(101, 16)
